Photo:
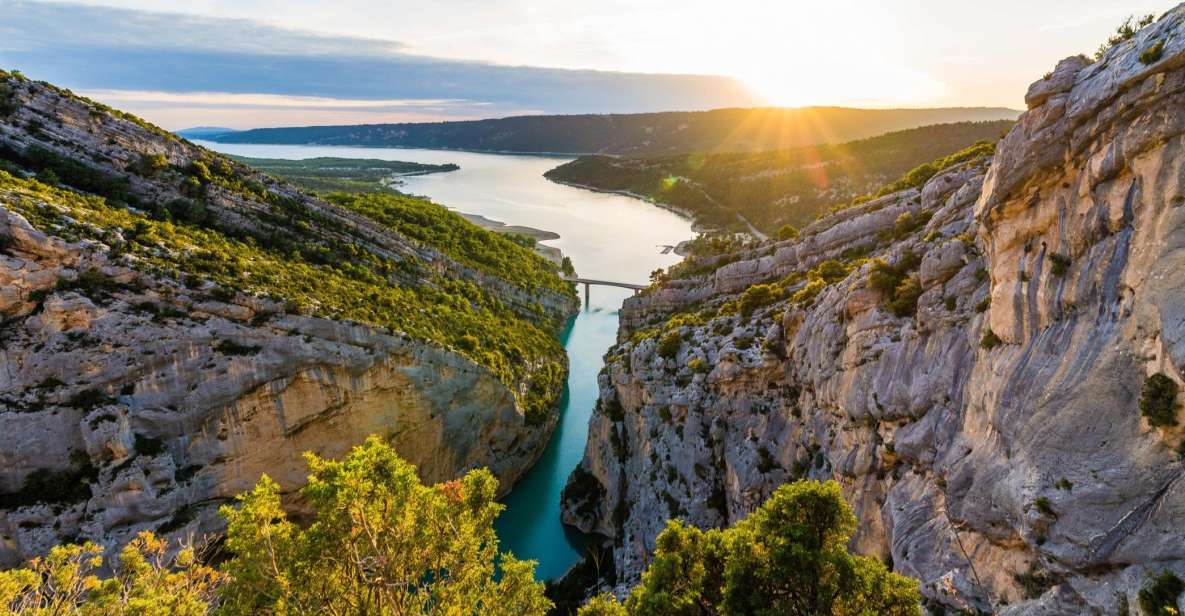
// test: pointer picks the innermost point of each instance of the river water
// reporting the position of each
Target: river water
(608, 237)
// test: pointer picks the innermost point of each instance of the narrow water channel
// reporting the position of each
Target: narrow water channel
(608, 237)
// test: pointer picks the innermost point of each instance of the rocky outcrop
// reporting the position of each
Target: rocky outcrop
(134, 398)
(990, 438)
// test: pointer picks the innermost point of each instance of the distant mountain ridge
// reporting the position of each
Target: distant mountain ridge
(203, 132)
(673, 132)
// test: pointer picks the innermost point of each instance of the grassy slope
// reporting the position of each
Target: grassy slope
(775, 188)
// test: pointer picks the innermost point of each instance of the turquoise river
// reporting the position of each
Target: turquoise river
(608, 237)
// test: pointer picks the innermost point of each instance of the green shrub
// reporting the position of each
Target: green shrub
(830, 271)
(899, 290)
(1045, 507)
(1125, 32)
(188, 211)
(905, 297)
(8, 102)
(150, 164)
(807, 294)
(906, 224)
(1158, 400)
(757, 296)
(669, 344)
(1152, 54)
(1058, 264)
(788, 232)
(921, 174)
(698, 366)
(1035, 582)
(468, 342)
(1159, 596)
(990, 340)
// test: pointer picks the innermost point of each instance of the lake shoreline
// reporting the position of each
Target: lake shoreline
(551, 253)
(680, 212)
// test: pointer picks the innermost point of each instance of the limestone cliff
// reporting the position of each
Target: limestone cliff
(990, 436)
(137, 394)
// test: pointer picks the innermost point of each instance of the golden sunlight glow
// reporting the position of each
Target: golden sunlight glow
(792, 53)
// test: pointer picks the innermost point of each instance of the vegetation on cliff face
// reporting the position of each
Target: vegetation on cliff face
(788, 557)
(443, 309)
(773, 189)
(204, 220)
(1123, 33)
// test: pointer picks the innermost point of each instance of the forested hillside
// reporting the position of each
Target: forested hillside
(640, 134)
(770, 189)
(333, 174)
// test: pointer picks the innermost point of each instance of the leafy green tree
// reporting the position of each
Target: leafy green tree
(789, 558)
(147, 581)
(380, 542)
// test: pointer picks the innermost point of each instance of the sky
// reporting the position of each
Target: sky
(250, 63)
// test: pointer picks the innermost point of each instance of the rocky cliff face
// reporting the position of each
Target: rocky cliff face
(990, 437)
(133, 398)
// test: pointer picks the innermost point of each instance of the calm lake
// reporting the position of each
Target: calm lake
(608, 237)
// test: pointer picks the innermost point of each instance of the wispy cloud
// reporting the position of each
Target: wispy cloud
(270, 101)
(199, 64)
(27, 24)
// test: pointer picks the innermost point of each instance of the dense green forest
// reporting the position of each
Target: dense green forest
(639, 134)
(331, 174)
(771, 189)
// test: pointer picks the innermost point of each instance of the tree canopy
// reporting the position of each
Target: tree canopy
(789, 558)
(381, 543)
